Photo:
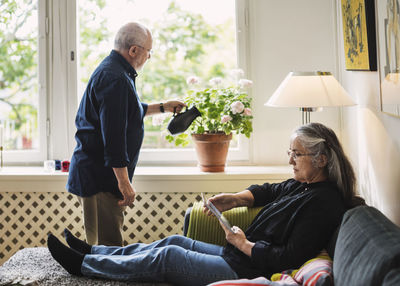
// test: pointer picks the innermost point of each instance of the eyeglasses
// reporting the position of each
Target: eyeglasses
(150, 51)
(295, 156)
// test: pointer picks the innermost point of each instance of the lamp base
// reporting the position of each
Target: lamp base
(306, 113)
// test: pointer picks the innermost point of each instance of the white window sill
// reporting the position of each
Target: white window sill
(151, 179)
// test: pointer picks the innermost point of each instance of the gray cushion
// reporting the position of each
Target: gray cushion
(368, 247)
(392, 278)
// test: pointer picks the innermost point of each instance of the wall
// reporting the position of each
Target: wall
(287, 35)
(372, 137)
(305, 35)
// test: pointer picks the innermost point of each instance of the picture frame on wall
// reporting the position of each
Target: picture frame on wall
(359, 34)
(388, 26)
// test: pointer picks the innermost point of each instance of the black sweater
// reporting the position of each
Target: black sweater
(297, 221)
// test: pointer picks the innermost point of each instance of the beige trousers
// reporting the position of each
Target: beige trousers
(103, 219)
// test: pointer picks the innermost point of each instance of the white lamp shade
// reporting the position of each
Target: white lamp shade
(309, 89)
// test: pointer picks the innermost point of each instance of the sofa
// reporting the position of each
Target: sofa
(365, 251)
(365, 248)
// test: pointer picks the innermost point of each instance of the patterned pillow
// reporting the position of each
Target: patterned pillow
(260, 281)
(315, 272)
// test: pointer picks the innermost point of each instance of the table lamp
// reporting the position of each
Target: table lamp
(310, 91)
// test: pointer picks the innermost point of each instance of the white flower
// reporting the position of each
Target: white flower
(237, 73)
(245, 83)
(225, 118)
(237, 107)
(158, 119)
(215, 81)
(192, 80)
(247, 111)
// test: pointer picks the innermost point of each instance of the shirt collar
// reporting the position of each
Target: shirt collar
(128, 68)
(317, 184)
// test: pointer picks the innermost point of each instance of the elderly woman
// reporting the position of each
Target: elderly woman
(297, 221)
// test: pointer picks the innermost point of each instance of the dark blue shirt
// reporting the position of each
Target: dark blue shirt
(297, 221)
(110, 129)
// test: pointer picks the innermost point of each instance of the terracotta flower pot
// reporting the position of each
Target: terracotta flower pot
(212, 149)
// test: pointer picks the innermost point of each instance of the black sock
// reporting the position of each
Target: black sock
(68, 258)
(76, 243)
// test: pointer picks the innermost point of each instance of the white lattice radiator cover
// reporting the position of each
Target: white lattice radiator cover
(27, 218)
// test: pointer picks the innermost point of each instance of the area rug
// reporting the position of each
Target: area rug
(35, 266)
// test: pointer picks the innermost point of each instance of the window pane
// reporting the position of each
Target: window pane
(19, 74)
(191, 37)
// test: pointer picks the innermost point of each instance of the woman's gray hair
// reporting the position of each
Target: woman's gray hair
(321, 140)
(130, 34)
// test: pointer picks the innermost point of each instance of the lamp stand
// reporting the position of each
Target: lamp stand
(306, 113)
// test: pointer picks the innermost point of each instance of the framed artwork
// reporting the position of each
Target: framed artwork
(359, 34)
(388, 24)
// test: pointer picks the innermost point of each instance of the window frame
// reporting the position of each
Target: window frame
(62, 75)
(58, 36)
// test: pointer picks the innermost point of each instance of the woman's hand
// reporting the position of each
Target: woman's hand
(238, 239)
(222, 202)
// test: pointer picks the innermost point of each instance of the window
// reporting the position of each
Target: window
(50, 48)
(22, 85)
(190, 38)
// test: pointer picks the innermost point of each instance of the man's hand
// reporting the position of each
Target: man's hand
(124, 186)
(174, 106)
(169, 106)
(129, 194)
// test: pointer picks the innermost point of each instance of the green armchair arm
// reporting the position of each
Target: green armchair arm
(207, 228)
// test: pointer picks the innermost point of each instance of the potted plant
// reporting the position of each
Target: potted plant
(225, 108)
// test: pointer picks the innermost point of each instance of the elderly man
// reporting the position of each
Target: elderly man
(109, 135)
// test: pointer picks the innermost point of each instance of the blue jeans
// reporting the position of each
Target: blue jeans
(176, 259)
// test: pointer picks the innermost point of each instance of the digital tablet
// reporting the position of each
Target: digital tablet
(217, 213)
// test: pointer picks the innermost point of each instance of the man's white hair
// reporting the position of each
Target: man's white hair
(131, 34)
